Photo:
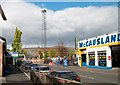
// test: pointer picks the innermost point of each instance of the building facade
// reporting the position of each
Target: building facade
(2, 46)
(1, 58)
(99, 52)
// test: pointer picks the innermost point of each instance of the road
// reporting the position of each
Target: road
(91, 77)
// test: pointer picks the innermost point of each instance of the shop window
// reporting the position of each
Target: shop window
(91, 58)
(102, 58)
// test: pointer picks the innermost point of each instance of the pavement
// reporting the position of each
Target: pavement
(2, 80)
(15, 76)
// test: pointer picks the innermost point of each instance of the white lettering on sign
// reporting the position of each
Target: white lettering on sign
(105, 39)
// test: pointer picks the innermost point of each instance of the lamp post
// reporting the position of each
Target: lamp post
(2, 14)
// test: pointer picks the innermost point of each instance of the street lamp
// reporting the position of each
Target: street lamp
(2, 13)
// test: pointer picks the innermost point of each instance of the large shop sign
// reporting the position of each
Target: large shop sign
(105, 39)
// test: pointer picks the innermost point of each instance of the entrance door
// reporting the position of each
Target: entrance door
(83, 59)
(115, 56)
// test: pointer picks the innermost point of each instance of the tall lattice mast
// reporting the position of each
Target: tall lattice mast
(44, 34)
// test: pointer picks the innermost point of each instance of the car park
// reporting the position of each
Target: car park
(63, 76)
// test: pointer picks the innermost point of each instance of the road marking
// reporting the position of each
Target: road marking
(87, 77)
(116, 83)
(91, 78)
(84, 76)
(27, 75)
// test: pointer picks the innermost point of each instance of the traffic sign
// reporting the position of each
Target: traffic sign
(65, 62)
(15, 54)
(109, 57)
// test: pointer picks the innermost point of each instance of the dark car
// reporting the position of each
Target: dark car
(60, 76)
(32, 66)
(25, 63)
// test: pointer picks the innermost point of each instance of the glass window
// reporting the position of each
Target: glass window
(102, 58)
(68, 75)
(53, 73)
(91, 58)
(44, 68)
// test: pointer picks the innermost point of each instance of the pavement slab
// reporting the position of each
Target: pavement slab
(16, 76)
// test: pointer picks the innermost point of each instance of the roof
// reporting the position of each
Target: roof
(63, 71)
(44, 66)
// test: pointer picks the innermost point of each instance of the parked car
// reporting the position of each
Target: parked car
(61, 76)
(45, 69)
(32, 66)
(75, 62)
(25, 63)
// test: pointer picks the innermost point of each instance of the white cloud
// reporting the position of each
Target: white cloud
(82, 22)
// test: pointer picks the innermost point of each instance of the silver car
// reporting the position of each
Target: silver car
(44, 69)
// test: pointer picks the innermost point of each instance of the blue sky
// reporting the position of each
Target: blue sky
(72, 0)
(62, 5)
(86, 22)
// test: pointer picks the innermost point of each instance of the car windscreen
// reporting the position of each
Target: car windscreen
(37, 68)
(67, 75)
(44, 68)
(34, 64)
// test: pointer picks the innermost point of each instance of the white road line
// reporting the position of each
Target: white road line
(87, 77)
(116, 83)
(91, 78)
(27, 75)
(84, 76)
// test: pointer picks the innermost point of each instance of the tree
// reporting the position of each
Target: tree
(24, 52)
(40, 54)
(62, 50)
(52, 53)
(16, 44)
(71, 52)
(45, 56)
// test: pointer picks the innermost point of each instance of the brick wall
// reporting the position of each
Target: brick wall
(1, 58)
